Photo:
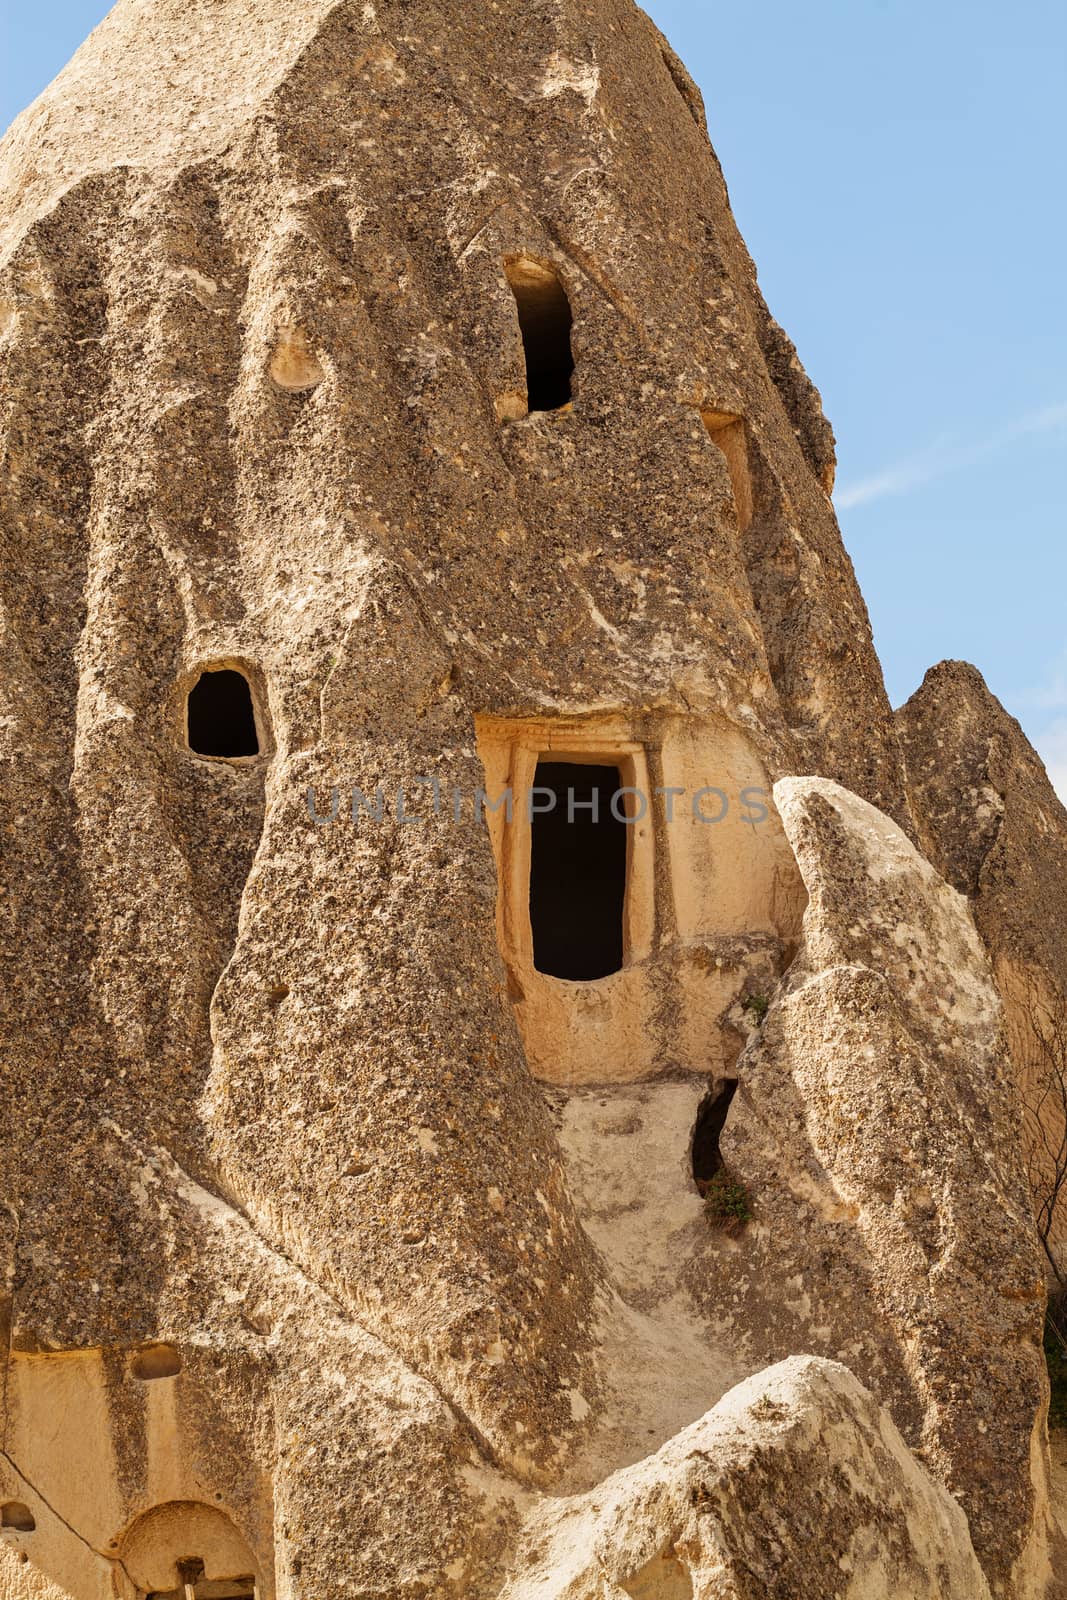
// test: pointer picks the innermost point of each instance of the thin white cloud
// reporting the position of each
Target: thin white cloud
(1052, 748)
(946, 455)
(1051, 695)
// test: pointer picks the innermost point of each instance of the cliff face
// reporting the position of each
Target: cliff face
(989, 818)
(875, 1120)
(995, 827)
(302, 497)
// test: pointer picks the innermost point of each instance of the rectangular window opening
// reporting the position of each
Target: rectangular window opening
(545, 321)
(578, 870)
(221, 718)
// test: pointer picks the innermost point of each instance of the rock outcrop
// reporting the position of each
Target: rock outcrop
(382, 557)
(705, 1518)
(876, 1128)
(989, 818)
(994, 826)
(390, 413)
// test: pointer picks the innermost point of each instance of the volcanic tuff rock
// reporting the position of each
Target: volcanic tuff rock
(988, 817)
(308, 1278)
(703, 1518)
(994, 826)
(875, 1122)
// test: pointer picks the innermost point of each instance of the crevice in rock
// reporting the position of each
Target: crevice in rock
(210, 1201)
(705, 1155)
(685, 85)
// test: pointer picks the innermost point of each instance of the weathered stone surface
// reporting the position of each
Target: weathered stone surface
(995, 827)
(268, 1107)
(797, 1486)
(989, 818)
(292, 1446)
(876, 1129)
(384, 560)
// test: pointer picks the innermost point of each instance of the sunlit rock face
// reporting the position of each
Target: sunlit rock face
(391, 412)
(875, 1120)
(991, 821)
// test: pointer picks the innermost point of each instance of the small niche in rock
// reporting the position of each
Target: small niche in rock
(221, 718)
(18, 1517)
(293, 364)
(730, 435)
(545, 321)
(711, 1119)
(664, 1578)
(155, 1361)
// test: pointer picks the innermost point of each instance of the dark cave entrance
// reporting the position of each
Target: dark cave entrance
(711, 1119)
(545, 320)
(221, 717)
(578, 865)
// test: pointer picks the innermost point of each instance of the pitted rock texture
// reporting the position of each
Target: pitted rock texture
(266, 1099)
(194, 232)
(283, 1411)
(876, 1129)
(705, 1518)
(992, 823)
(989, 817)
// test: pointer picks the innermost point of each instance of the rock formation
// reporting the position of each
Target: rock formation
(995, 827)
(704, 1515)
(396, 443)
(875, 1122)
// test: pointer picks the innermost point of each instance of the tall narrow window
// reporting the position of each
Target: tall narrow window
(221, 718)
(545, 320)
(577, 871)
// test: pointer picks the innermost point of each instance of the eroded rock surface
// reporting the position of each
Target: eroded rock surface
(989, 817)
(796, 1485)
(271, 274)
(877, 1130)
(995, 827)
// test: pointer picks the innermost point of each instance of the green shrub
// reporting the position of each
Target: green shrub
(757, 1004)
(727, 1204)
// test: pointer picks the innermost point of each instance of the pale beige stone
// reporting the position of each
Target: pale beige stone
(294, 365)
(331, 1221)
(729, 1509)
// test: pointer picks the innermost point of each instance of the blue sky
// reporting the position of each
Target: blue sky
(895, 166)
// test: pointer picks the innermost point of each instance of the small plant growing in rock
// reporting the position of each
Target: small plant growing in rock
(727, 1204)
(757, 1005)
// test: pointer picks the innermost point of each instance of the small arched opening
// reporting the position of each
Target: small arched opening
(221, 717)
(155, 1361)
(545, 321)
(187, 1550)
(17, 1516)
